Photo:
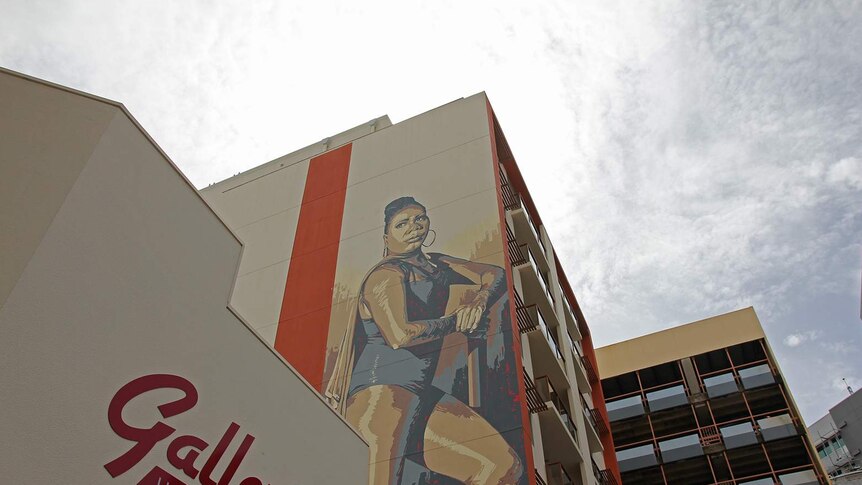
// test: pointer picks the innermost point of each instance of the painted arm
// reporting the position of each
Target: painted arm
(492, 284)
(383, 296)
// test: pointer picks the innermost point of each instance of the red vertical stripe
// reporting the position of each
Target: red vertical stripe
(516, 333)
(303, 325)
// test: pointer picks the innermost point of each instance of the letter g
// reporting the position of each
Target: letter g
(145, 439)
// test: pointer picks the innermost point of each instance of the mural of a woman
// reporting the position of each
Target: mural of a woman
(382, 380)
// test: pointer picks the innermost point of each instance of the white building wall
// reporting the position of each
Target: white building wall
(125, 272)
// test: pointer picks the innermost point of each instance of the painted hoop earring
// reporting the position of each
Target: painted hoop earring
(432, 241)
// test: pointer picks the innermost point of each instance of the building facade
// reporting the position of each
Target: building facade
(405, 272)
(705, 403)
(838, 437)
(120, 359)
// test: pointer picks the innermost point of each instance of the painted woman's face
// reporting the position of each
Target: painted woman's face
(407, 230)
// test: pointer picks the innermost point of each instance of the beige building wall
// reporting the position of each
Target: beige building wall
(113, 268)
(261, 206)
(443, 158)
(678, 342)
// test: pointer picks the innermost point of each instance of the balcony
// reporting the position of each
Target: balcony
(676, 449)
(603, 476)
(544, 351)
(535, 402)
(738, 435)
(533, 281)
(757, 376)
(559, 433)
(570, 320)
(592, 375)
(557, 475)
(777, 427)
(805, 477)
(625, 408)
(592, 419)
(578, 362)
(720, 385)
(539, 479)
(636, 458)
(667, 398)
(525, 228)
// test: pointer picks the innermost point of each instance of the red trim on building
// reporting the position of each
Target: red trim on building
(522, 392)
(303, 325)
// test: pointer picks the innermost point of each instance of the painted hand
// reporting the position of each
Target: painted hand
(469, 316)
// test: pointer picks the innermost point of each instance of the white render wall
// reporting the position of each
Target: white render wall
(113, 268)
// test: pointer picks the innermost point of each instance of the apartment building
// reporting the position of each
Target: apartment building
(837, 436)
(705, 403)
(405, 272)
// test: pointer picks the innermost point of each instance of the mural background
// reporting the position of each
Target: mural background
(457, 187)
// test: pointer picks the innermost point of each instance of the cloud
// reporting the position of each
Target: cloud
(688, 158)
(847, 171)
(797, 339)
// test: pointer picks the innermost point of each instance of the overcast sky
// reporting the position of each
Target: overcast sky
(689, 158)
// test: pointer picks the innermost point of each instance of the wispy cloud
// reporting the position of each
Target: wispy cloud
(797, 339)
(689, 158)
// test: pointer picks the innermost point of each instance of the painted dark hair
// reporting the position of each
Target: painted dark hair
(395, 207)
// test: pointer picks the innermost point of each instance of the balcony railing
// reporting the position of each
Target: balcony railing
(591, 371)
(510, 197)
(709, 435)
(522, 315)
(521, 254)
(570, 318)
(535, 403)
(515, 254)
(543, 278)
(587, 415)
(604, 477)
(557, 475)
(593, 417)
(539, 480)
(533, 227)
(550, 335)
(599, 422)
(549, 394)
(512, 200)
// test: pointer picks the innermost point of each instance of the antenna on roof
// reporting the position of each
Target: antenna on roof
(849, 389)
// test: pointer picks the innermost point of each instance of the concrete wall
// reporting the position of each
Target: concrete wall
(114, 269)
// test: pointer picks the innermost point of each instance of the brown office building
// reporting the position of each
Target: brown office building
(705, 403)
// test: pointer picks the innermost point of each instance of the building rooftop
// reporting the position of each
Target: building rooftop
(682, 341)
